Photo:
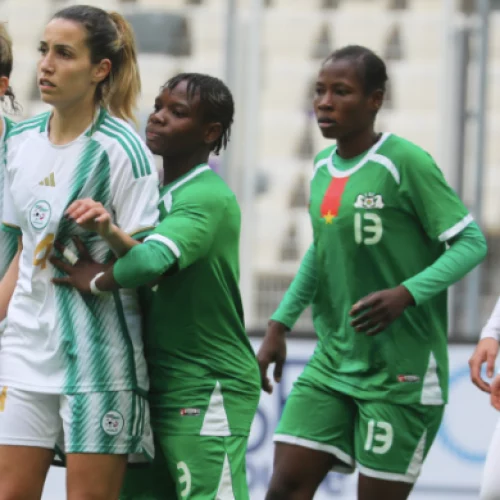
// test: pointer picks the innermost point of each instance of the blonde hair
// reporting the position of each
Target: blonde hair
(6, 63)
(110, 36)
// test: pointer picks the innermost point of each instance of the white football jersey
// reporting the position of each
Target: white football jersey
(58, 340)
(8, 241)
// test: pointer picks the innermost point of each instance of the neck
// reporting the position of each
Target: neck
(176, 166)
(70, 122)
(349, 147)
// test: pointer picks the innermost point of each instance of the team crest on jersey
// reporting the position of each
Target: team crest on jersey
(40, 214)
(112, 423)
(369, 201)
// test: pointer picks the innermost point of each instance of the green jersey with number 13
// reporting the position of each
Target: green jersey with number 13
(379, 219)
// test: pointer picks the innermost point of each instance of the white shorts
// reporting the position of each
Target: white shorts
(113, 423)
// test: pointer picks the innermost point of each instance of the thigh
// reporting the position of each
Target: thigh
(490, 483)
(392, 441)
(150, 481)
(29, 425)
(93, 475)
(207, 467)
(321, 420)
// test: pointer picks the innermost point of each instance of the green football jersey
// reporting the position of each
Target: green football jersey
(379, 219)
(203, 371)
(8, 241)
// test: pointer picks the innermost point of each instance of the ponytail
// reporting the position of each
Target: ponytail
(124, 84)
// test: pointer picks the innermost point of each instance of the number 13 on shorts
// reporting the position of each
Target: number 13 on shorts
(379, 437)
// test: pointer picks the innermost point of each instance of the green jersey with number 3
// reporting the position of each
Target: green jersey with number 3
(379, 219)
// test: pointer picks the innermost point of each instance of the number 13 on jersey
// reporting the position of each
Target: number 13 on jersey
(367, 228)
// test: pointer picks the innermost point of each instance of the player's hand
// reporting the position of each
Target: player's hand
(272, 350)
(91, 216)
(80, 274)
(495, 393)
(375, 312)
(486, 352)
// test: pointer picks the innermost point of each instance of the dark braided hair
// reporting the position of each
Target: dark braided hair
(216, 102)
(371, 69)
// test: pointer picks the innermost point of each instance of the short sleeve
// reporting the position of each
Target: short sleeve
(189, 229)
(10, 218)
(136, 196)
(437, 206)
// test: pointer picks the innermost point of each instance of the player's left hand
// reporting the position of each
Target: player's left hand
(375, 312)
(495, 393)
(81, 273)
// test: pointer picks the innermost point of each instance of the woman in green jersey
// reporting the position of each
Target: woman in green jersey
(204, 377)
(390, 236)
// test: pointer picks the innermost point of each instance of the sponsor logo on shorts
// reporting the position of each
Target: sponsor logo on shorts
(112, 423)
(190, 412)
(408, 378)
(40, 214)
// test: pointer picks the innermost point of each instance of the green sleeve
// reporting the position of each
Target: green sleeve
(466, 251)
(190, 227)
(300, 293)
(143, 264)
(433, 201)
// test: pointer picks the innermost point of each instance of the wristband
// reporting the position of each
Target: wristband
(93, 287)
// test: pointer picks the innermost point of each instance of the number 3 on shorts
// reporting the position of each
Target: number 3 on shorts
(379, 437)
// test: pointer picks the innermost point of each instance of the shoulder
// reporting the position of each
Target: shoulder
(206, 189)
(323, 155)
(403, 152)
(26, 128)
(123, 145)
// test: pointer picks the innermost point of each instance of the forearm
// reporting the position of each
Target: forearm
(119, 241)
(300, 292)
(8, 283)
(492, 327)
(467, 250)
(144, 263)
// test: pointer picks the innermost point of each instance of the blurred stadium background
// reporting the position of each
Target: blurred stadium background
(443, 59)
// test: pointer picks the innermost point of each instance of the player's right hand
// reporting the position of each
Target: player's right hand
(486, 352)
(272, 350)
(91, 216)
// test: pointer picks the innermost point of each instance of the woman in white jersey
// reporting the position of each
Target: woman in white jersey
(8, 242)
(72, 365)
(486, 352)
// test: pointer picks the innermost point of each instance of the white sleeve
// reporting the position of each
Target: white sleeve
(10, 217)
(492, 328)
(135, 197)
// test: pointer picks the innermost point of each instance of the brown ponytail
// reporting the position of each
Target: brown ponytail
(124, 82)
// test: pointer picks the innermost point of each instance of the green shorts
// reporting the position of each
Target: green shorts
(387, 441)
(191, 467)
